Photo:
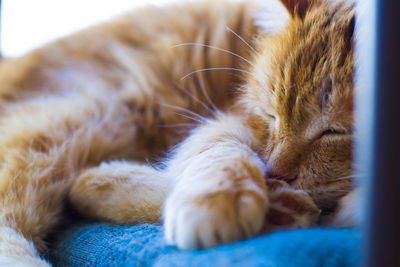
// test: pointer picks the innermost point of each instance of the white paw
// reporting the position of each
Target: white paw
(15, 250)
(210, 219)
(22, 261)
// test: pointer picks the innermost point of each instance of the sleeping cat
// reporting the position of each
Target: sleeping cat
(252, 101)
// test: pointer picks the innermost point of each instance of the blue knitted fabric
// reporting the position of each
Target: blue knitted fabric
(100, 244)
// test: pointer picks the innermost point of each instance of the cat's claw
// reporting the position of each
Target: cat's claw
(215, 218)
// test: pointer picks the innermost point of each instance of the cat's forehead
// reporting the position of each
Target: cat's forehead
(309, 66)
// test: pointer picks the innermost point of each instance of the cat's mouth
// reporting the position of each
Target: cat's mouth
(272, 172)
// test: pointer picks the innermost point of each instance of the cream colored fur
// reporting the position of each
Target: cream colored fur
(189, 209)
(15, 250)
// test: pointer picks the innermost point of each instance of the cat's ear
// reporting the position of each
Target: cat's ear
(273, 15)
(350, 28)
(297, 7)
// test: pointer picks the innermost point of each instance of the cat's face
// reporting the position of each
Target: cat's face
(301, 92)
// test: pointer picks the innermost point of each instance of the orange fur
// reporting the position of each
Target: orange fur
(115, 91)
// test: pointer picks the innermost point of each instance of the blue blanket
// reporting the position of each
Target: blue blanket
(100, 244)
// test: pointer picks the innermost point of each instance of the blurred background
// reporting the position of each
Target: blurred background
(27, 24)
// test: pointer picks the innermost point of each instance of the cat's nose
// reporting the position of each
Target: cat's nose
(272, 173)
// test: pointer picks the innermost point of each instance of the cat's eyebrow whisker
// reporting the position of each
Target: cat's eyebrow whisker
(216, 48)
(208, 69)
(243, 40)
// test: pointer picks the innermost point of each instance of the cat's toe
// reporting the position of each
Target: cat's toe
(216, 218)
(289, 208)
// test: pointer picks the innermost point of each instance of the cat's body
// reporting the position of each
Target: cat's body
(116, 92)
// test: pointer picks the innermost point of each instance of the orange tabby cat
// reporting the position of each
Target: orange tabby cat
(72, 114)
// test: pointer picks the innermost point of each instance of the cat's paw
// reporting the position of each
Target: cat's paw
(16, 250)
(210, 219)
(22, 261)
(289, 208)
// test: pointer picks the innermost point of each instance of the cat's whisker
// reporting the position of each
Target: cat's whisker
(150, 163)
(243, 40)
(350, 177)
(346, 177)
(197, 99)
(289, 87)
(188, 117)
(209, 69)
(343, 191)
(205, 93)
(184, 110)
(188, 125)
(216, 48)
(147, 161)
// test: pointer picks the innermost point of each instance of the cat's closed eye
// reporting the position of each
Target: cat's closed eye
(332, 131)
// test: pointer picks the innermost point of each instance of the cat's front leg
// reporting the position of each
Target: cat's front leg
(120, 192)
(220, 194)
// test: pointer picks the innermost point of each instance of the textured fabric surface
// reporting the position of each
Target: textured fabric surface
(99, 244)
